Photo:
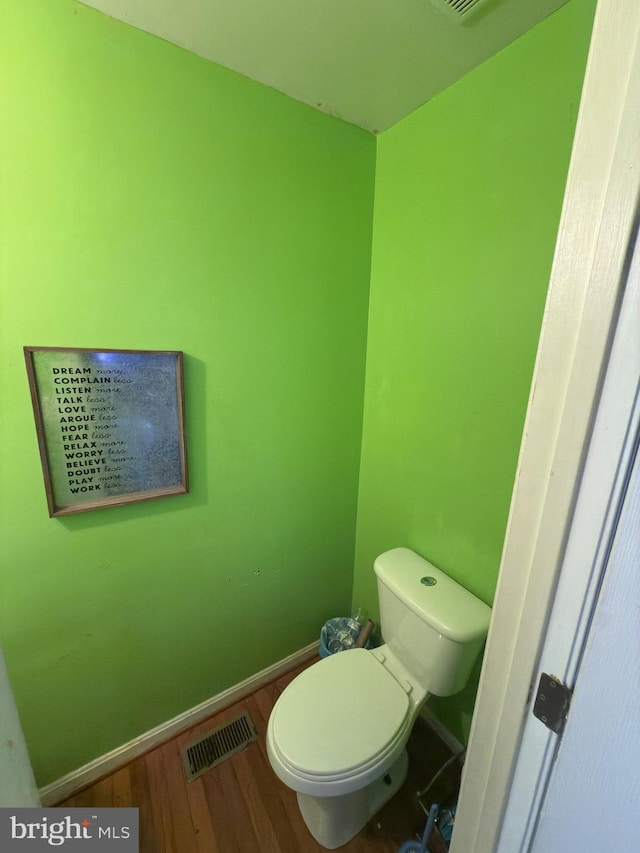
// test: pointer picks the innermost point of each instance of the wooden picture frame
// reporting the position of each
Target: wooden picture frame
(110, 425)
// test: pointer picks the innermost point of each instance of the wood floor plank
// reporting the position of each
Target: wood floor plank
(157, 798)
(103, 792)
(122, 788)
(263, 808)
(141, 798)
(229, 815)
(161, 806)
(87, 798)
(201, 817)
(183, 829)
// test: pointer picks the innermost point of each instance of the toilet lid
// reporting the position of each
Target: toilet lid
(339, 714)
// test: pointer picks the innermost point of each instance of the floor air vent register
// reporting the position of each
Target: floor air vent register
(224, 741)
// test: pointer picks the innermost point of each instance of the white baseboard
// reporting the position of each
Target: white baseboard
(73, 782)
(450, 740)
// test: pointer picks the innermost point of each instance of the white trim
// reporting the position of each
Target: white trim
(448, 739)
(594, 233)
(73, 782)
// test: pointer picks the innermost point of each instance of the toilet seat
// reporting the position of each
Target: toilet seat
(339, 724)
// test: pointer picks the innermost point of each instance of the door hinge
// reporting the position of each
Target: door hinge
(552, 701)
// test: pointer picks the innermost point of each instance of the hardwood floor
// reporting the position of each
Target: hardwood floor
(240, 805)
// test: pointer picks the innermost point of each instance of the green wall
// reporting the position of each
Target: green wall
(468, 196)
(151, 200)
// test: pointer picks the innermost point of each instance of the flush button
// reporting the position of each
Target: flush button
(428, 581)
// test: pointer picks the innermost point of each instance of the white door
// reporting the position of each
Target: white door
(593, 799)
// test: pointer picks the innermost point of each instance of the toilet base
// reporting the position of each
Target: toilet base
(335, 820)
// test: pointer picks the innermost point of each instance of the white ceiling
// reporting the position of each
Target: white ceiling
(369, 62)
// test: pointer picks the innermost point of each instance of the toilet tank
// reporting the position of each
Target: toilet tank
(434, 626)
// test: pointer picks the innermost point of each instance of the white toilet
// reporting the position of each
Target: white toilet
(337, 734)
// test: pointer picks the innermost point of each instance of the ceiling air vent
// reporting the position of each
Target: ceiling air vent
(459, 8)
(221, 743)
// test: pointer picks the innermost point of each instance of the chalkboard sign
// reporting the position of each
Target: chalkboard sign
(110, 425)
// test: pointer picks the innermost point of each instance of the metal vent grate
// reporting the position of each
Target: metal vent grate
(459, 7)
(221, 743)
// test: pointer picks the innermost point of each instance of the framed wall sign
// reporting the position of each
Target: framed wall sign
(110, 425)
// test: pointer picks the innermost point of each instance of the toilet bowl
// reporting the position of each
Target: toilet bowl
(337, 736)
(337, 733)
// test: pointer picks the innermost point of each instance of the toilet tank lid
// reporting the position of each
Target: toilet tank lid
(449, 608)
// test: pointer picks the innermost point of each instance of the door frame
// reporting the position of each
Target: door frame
(585, 291)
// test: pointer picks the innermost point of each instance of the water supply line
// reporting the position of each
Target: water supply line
(448, 762)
